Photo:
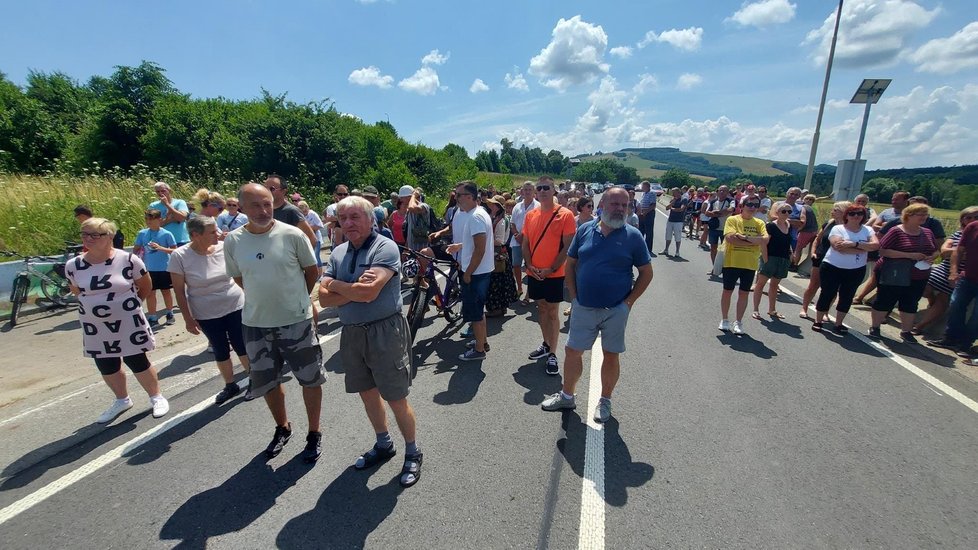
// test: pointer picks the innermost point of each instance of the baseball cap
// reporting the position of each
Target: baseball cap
(405, 191)
(296, 197)
(370, 191)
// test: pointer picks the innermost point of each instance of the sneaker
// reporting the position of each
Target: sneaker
(540, 352)
(552, 368)
(664, 253)
(118, 407)
(160, 406)
(229, 391)
(557, 402)
(170, 319)
(908, 337)
(467, 333)
(471, 345)
(314, 447)
(943, 343)
(724, 325)
(281, 437)
(737, 328)
(472, 355)
(874, 333)
(603, 411)
(152, 319)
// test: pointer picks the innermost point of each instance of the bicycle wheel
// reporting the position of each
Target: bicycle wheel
(56, 289)
(419, 301)
(451, 309)
(18, 297)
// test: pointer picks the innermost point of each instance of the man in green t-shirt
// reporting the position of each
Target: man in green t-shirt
(744, 235)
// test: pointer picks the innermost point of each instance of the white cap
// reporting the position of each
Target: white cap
(405, 191)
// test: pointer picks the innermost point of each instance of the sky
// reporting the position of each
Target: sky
(580, 76)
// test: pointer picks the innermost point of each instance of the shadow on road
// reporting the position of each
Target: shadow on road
(63, 327)
(345, 515)
(533, 376)
(64, 451)
(620, 471)
(781, 327)
(183, 364)
(235, 504)
(159, 446)
(746, 344)
(463, 385)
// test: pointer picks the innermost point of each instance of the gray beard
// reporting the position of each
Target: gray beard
(614, 223)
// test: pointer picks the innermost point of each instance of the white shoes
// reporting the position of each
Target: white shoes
(724, 325)
(737, 328)
(160, 406)
(118, 407)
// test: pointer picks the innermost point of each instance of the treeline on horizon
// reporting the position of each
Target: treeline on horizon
(136, 122)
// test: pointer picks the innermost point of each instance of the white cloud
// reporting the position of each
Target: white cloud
(948, 55)
(646, 82)
(871, 32)
(434, 57)
(370, 76)
(478, 86)
(575, 55)
(687, 81)
(682, 39)
(623, 52)
(606, 101)
(516, 80)
(423, 82)
(764, 13)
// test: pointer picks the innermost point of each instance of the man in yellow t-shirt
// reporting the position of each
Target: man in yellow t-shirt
(744, 236)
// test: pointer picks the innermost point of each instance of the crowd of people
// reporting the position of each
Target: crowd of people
(248, 273)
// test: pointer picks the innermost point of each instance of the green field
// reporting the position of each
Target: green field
(642, 166)
(749, 165)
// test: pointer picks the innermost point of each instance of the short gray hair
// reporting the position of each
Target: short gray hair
(356, 203)
(198, 224)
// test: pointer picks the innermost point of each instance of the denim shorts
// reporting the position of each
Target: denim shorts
(587, 322)
(715, 237)
(516, 252)
(474, 297)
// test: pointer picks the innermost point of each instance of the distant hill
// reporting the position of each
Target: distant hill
(652, 162)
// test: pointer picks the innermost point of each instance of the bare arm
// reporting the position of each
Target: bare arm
(144, 286)
(180, 293)
(642, 282)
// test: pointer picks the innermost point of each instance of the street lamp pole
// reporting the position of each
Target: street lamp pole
(821, 105)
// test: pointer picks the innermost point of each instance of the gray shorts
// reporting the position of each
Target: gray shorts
(587, 322)
(378, 355)
(269, 349)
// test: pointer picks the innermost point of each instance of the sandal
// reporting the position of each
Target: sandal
(857, 301)
(817, 327)
(840, 329)
(916, 332)
(411, 472)
(756, 315)
(374, 456)
(775, 315)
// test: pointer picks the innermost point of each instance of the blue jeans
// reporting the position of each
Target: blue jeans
(647, 227)
(474, 297)
(958, 329)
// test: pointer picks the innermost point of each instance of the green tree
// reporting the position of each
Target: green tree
(675, 177)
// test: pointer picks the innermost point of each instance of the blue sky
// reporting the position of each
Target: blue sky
(580, 76)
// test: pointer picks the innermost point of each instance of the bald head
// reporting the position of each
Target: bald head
(256, 202)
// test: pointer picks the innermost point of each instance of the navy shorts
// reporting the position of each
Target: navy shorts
(161, 280)
(474, 297)
(224, 333)
(733, 275)
(715, 236)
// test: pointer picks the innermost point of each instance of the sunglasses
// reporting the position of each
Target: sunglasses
(544, 188)
(752, 205)
(342, 194)
(856, 213)
(785, 211)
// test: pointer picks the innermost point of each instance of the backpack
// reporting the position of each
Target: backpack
(422, 225)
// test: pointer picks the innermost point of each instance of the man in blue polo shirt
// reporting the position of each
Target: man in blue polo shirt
(599, 279)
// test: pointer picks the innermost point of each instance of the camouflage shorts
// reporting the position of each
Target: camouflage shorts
(270, 349)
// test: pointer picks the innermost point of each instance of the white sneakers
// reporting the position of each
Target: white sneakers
(118, 407)
(738, 328)
(159, 403)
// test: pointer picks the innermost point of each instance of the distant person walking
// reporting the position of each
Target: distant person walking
(600, 263)
(273, 262)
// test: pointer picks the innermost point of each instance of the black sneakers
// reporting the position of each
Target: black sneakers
(281, 437)
(540, 352)
(552, 368)
(229, 391)
(314, 447)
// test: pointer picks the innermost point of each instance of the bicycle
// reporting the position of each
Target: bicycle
(54, 285)
(447, 301)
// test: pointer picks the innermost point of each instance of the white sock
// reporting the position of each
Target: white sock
(566, 395)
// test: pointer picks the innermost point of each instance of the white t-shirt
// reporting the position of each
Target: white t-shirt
(314, 221)
(465, 225)
(519, 214)
(271, 267)
(210, 292)
(847, 261)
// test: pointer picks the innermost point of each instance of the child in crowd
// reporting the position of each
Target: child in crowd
(154, 244)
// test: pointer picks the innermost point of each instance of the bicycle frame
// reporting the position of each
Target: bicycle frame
(445, 300)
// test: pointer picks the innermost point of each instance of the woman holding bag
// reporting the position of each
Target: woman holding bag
(906, 254)
(502, 285)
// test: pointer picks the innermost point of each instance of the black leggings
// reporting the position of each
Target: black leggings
(836, 281)
(224, 333)
(111, 365)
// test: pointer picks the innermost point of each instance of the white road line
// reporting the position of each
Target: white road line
(913, 369)
(88, 469)
(63, 398)
(591, 533)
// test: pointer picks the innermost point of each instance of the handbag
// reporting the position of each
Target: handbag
(895, 272)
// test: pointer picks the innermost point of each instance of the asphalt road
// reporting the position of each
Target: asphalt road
(780, 438)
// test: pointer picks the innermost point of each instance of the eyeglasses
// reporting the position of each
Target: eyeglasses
(93, 235)
(752, 205)
(785, 211)
(544, 188)
(342, 194)
(230, 204)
